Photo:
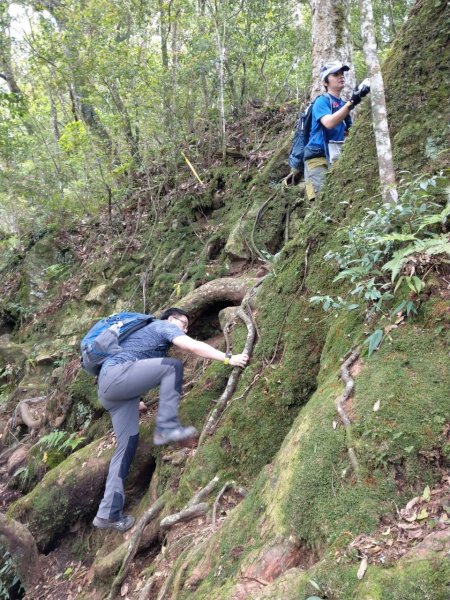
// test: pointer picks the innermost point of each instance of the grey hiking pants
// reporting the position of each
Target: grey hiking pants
(119, 389)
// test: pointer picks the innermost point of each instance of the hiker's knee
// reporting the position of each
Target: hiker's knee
(174, 366)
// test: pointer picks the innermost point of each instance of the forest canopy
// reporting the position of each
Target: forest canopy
(92, 92)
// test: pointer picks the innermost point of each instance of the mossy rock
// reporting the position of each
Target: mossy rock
(73, 490)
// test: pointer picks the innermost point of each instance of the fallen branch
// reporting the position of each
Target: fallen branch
(340, 401)
(232, 380)
(133, 546)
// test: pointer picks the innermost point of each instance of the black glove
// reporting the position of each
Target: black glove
(358, 94)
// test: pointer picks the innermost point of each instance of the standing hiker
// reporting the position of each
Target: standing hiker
(330, 123)
(125, 377)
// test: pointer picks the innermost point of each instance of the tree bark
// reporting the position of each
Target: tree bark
(378, 102)
(331, 40)
(19, 542)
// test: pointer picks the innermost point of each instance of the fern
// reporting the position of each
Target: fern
(53, 439)
(431, 246)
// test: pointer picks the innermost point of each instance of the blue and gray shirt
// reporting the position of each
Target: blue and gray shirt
(152, 341)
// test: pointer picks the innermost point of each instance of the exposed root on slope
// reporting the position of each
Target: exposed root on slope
(340, 401)
(227, 486)
(133, 546)
(233, 379)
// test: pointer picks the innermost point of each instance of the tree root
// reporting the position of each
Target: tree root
(168, 582)
(340, 401)
(203, 493)
(196, 510)
(251, 242)
(147, 589)
(232, 289)
(229, 485)
(22, 416)
(232, 380)
(133, 546)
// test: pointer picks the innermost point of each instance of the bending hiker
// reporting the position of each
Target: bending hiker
(330, 123)
(140, 366)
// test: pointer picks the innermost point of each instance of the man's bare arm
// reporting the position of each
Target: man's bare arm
(330, 121)
(206, 351)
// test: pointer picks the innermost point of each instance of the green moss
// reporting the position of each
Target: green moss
(418, 580)
(239, 536)
(83, 389)
(412, 386)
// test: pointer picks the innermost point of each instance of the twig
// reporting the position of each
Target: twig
(342, 398)
(133, 546)
(191, 167)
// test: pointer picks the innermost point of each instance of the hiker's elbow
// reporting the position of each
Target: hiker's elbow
(328, 122)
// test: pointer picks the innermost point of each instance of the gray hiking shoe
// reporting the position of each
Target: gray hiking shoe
(122, 524)
(172, 436)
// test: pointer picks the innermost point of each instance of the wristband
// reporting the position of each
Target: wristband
(349, 104)
(226, 360)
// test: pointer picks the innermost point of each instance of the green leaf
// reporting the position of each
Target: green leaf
(352, 306)
(374, 340)
(399, 282)
(426, 493)
(422, 515)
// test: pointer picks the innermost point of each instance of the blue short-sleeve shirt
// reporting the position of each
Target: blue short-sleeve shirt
(326, 105)
(152, 341)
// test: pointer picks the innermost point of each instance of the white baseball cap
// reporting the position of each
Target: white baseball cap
(332, 67)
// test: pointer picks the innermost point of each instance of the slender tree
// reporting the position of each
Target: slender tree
(378, 102)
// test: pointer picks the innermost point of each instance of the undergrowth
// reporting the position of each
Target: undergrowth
(390, 253)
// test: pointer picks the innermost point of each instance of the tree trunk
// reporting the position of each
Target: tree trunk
(378, 102)
(218, 15)
(164, 28)
(21, 545)
(79, 91)
(331, 40)
(6, 70)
